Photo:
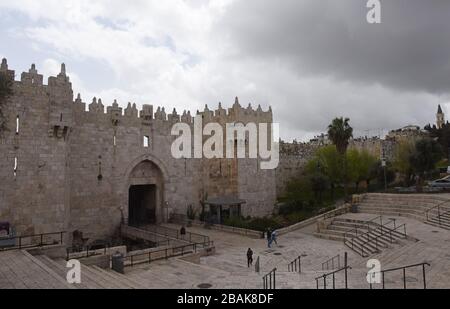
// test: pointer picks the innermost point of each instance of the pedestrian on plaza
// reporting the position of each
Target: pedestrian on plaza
(274, 237)
(183, 232)
(269, 237)
(249, 257)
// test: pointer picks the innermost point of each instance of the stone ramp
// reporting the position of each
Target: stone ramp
(20, 270)
(414, 206)
(92, 277)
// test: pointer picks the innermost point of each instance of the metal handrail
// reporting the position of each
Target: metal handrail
(426, 212)
(292, 266)
(148, 255)
(169, 232)
(86, 250)
(404, 268)
(368, 227)
(338, 257)
(333, 274)
(269, 279)
(381, 227)
(39, 244)
(382, 234)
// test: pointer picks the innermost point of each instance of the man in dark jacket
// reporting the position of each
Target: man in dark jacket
(249, 257)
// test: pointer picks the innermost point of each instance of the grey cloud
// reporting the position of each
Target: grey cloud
(410, 50)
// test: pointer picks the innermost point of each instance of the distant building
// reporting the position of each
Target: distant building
(440, 118)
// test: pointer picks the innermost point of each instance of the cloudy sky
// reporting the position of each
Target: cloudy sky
(311, 60)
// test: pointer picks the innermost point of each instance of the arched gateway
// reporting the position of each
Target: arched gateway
(145, 194)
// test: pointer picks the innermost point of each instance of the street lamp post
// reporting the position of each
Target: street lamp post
(383, 164)
(167, 212)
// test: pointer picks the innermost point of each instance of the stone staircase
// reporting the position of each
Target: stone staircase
(20, 270)
(439, 218)
(92, 277)
(413, 206)
(364, 237)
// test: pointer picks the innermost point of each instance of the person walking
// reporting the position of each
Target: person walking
(249, 257)
(183, 232)
(274, 237)
(269, 237)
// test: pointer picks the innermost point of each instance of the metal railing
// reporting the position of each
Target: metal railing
(151, 256)
(295, 265)
(173, 233)
(333, 276)
(335, 262)
(269, 280)
(368, 238)
(86, 251)
(33, 241)
(439, 208)
(404, 268)
(257, 265)
(181, 219)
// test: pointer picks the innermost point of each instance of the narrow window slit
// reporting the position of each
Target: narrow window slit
(15, 166)
(146, 141)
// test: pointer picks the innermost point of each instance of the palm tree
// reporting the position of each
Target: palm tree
(340, 132)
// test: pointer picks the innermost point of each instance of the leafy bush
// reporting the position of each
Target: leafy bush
(191, 213)
(257, 224)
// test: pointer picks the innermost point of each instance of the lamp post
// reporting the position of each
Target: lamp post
(167, 212)
(122, 218)
(383, 164)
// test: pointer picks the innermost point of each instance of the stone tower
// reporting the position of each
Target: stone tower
(440, 118)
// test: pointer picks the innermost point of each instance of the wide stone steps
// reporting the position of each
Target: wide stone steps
(445, 224)
(395, 207)
(361, 248)
(390, 212)
(61, 270)
(426, 198)
(123, 281)
(92, 277)
(20, 270)
(364, 237)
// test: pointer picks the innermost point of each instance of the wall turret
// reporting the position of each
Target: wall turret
(32, 77)
(4, 68)
(115, 112)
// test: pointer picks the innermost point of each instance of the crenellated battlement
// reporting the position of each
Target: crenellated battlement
(59, 90)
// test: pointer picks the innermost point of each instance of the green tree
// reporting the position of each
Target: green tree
(402, 161)
(379, 172)
(340, 132)
(328, 162)
(427, 154)
(359, 167)
(6, 90)
(319, 184)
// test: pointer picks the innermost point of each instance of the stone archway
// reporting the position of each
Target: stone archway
(145, 194)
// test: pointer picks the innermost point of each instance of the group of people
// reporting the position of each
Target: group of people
(271, 238)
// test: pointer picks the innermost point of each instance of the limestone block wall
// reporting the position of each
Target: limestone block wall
(76, 161)
(34, 198)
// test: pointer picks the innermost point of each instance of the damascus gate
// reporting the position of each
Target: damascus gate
(76, 166)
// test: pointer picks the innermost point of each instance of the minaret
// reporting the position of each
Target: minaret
(440, 118)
